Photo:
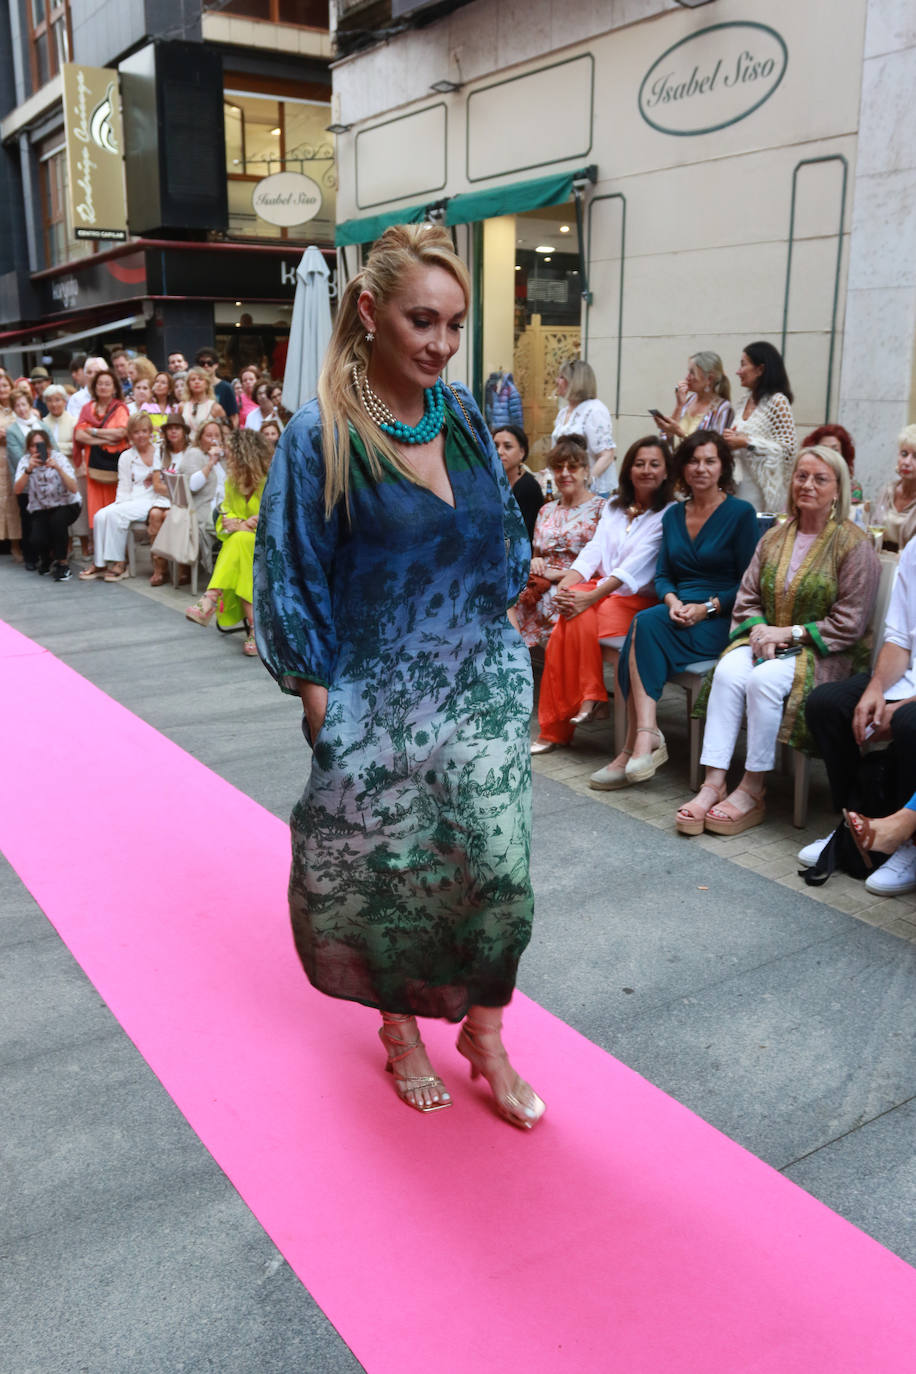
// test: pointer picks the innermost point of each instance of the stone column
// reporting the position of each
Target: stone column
(877, 384)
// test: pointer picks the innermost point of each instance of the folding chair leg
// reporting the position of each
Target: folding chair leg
(131, 554)
(802, 781)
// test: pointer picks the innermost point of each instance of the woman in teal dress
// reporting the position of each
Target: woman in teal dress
(707, 542)
(389, 549)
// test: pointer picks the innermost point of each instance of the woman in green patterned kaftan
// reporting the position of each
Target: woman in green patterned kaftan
(388, 553)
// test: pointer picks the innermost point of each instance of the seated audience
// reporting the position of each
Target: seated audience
(270, 430)
(248, 380)
(607, 583)
(838, 438)
(707, 543)
(703, 399)
(512, 447)
(247, 461)
(801, 617)
(886, 834)
(47, 481)
(762, 436)
(134, 496)
(895, 508)
(843, 716)
(264, 409)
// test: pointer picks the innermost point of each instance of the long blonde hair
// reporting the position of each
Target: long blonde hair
(400, 249)
(247, 460)
(582, 382)
(711, 364)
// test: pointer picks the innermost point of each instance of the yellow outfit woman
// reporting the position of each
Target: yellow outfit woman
(232, 574)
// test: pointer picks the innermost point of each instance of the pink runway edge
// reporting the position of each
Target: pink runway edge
(623, 1234)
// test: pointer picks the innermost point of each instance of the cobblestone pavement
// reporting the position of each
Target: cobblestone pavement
(770, 849)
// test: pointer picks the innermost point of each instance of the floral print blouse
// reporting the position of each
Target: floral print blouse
(560, 534)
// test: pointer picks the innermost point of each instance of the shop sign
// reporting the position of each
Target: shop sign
(92, 117)
(713, 78)
(286, 199)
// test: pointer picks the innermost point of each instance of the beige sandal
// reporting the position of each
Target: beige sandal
(690, 818)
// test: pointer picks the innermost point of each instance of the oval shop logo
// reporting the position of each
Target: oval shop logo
(713, 78)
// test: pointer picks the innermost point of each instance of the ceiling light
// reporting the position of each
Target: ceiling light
(564, 228)
(445, 87)
(548, 259)
(544, 248)
(275, 133)
(238, 302)
(517, 267)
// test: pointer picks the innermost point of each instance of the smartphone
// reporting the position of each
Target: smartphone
(788, 651)
(656, 414)
(42, 450)
(870, 729)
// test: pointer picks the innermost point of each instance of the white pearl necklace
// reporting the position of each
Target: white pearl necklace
(373, 405)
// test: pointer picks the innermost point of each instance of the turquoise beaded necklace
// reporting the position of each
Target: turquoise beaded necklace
(420, 433)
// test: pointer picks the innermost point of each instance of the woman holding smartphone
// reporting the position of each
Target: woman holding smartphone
(48, 482)
(800, 618)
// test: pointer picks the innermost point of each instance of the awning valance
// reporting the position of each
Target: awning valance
(470, 206)
(514, 199)
(368, 230)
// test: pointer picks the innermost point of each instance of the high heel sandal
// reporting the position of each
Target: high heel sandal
(643, 768)
(405, 1083)
(203, 611)
(687, 821)
(591, 710)
(520, 1106)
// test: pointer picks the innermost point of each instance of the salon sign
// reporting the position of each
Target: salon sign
(286, 199)
(713, 78)
(95, 169)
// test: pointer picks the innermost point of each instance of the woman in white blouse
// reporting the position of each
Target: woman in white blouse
(584, 414)
(610, 581)
(762, 438)
(134, 499)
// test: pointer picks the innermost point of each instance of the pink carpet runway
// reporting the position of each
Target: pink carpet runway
(623, 1234)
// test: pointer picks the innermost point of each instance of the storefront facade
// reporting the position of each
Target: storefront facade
(731, 174)
(222, 160)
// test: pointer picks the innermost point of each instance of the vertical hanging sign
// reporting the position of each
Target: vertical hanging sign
(95, 172)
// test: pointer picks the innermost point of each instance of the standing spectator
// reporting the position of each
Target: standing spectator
(39, 380)
(265, 408)
(177, 362)
(101, 433)
(895, 508)
(839, 439)
(120, 366)
(702, 399)
(201, 404)
(249, 378)
(163, 393)
(59, 424)
(270, 430)
(762, 438)
(77, 364)
(10, 523)
(208, 359)
(45, 481)
(584, 414)
(91, 367)
(511, 444)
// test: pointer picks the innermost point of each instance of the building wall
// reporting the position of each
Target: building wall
(709, 261)
(878, 384)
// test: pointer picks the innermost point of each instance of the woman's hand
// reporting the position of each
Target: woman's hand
(668, 426)
(687, 613)
(539, 567)
(681, 392)
(314, 700)
(734, 439)
(250, 524)
(570, 602)
(764, 640)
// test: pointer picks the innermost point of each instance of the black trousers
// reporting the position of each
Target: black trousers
(829, 711)
(25, 521)
(48, 531)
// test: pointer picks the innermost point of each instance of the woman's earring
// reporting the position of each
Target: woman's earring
(370, 338)
(833, 509)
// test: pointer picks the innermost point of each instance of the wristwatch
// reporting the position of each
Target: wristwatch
(798, 634)
(711, 607)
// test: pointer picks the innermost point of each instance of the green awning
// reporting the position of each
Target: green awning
(368, 230)
(470, 206)
(515, 198)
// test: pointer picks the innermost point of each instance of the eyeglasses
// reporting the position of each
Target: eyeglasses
(572, 464)
(819, 479)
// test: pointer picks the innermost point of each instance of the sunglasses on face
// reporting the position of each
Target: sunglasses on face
(564, 464)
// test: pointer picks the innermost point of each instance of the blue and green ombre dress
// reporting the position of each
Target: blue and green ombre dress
(409, 888)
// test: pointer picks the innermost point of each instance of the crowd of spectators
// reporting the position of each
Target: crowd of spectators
(721, 539)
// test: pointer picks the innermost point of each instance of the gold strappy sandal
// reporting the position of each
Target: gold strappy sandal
(404, 1083)
(520, 1105)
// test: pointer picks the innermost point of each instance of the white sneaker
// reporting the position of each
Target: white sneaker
(809, 856)
(896, 876)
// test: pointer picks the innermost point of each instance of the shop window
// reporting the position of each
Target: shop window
(265, 136)
(59, 245)
(309, 14)
(50, 33)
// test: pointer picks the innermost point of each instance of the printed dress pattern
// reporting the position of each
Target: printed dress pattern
(560, 535)
(409, 889)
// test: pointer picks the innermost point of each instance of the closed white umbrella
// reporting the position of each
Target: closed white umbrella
(310, 330)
